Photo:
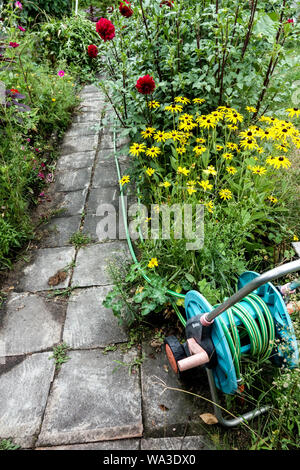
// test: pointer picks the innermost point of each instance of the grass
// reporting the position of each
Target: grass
(79, 239)
(7, 444)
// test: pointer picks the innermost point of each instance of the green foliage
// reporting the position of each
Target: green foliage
(67, 40)
(28, 133)
(36, 9)
(7, 444)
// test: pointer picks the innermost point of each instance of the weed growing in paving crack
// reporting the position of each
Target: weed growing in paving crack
(60, 355)
(79, 239)
(136, 362)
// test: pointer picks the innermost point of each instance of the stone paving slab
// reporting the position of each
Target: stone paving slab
(106, 141)
(25, 384)
(101, 196)
(79, 144)
(30, 323)
(93, 399)
(72, 203)
(82, 130)
(166, 412)
(82, 117)
(59, 230)
(73, 180)
(91, 263)
(107, 156)
(76, 161)
(88, 323)
(122, 444)
(177, 443)
(106, 175)
(47, 262)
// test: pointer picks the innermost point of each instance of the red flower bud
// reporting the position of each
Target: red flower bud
(125, 10)
(92, 51)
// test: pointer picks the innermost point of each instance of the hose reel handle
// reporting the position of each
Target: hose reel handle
(264, 278)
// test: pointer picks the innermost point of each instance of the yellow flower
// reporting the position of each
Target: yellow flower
(191, 183)
(225, 194)
(295, 238)
(251, 109)
(231, 170)
(227, 156)
(210, 170)
(183, 171)
(258, 170)
(160, 136)
(249, 143)
(232, 128)
(182, 99)
(191, 189)
(233, 116)
(199, 150)
(150, 171)
(148, 132)
(209, 206)
(293, 112)
(165, 184)
(175, 135)
(279, 162)
(219, 147)
(205, 184)
(232, 146)
(206, 122)
(273, 199)
(153, 104)
(174, 108)
(136, 149)
(153, 152)
(53, 99)
(181, 150)
(125, 179)
(284, 148)
(153, 263)
(198, 100)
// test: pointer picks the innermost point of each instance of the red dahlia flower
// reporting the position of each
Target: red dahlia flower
(125, 10)
(92, 51)
(145, 85)
(167, 2)
(105, 29)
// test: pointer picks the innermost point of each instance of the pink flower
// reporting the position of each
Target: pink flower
(19, 5)
(42, 194)
(21, 28)
(14, 44)
(60, 73)
(28, 140)
(290, 20)
(41, 175)
(49, 178)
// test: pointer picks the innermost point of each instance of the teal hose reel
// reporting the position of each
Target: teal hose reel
(253, 322)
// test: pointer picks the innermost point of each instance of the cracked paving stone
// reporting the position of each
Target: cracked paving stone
(76, 161)
(79, 144)
(73, 180)
(83, 129)
(93, 261)
(94, 398)
(88, 323)
(25, 384)
(59, 231)
(71, 203)
(47, 262)
(30, 323)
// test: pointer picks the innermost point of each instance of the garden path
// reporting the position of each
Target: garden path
(92, 401)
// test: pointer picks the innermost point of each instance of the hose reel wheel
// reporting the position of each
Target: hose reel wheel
(174, 351)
